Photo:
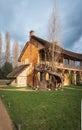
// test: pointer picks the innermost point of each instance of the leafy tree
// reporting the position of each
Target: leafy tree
(5, 70)
(1, 74)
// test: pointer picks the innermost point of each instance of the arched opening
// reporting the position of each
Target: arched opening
(66, 77)
(78, 78)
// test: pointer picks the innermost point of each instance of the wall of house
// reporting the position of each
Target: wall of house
(21, 81)
(23, 78)
(14, 82)
(30, 79)
(30, 55)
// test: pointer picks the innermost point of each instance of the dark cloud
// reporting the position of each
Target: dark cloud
(20, 16)
(72, 28)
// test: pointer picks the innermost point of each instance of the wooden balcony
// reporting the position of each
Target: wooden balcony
(48, 66)
(69, 67)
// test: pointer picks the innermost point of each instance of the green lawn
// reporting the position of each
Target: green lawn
(76, 87)
(14, 87)
(52, 110)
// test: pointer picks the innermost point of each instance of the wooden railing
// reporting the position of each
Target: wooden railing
(58, 65)
(73, 67)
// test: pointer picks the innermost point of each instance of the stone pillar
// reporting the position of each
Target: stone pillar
(63, 77)
(69, 77)
(47, 76)
(80, 76)
(75, 82)
(38, 76)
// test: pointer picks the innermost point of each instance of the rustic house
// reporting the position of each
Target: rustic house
(39, 69)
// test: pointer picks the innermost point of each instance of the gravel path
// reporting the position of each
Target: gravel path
(5, 121)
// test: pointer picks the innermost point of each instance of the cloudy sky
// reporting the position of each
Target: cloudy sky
(20, 16)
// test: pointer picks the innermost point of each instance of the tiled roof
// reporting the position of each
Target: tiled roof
(42, 41)
(46, 44)
(72, 55)
(17, 71)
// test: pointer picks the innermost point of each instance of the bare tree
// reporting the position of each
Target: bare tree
(0, 49)
(7, 51)
(15, 51)
(54, 34)
(21, 46)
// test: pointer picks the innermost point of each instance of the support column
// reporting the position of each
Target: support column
(69, 77)
(80, 76)
(38, 76)
(63, 77)
(75, 82)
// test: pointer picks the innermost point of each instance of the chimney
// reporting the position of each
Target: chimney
(31, 33)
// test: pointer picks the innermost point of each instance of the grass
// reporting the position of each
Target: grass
(76, 87)
(14, 87)
(7, 87)
(52, 110)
